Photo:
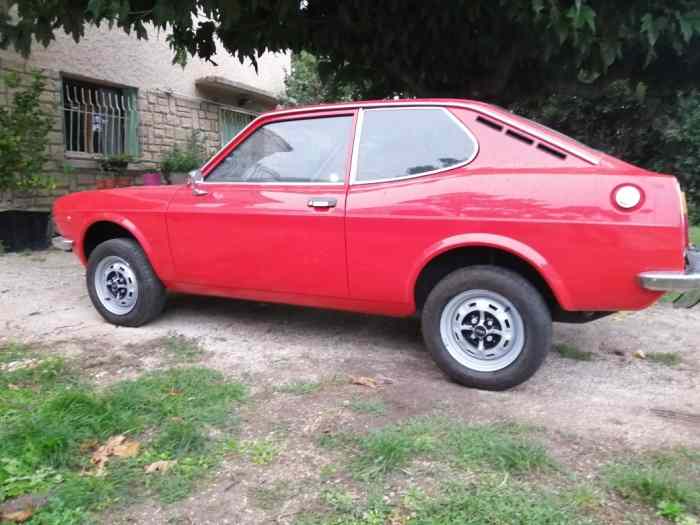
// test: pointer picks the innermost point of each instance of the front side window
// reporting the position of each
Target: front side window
(309, 150)
(400, 143)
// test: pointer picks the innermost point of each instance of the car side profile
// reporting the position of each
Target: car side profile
(487, 225)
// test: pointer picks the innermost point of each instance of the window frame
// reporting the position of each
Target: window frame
(129, 120)
(264, 120)
(358, 137)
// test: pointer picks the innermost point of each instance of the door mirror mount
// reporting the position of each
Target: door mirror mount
(194, 179)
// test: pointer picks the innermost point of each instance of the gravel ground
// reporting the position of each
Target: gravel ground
(615, 396)
(589, 409)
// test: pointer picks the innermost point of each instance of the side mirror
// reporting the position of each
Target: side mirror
(194, 179)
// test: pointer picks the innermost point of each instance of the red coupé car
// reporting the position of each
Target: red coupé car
(488, 225)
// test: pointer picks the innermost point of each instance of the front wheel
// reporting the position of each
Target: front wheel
(122, 284)
(487, 327)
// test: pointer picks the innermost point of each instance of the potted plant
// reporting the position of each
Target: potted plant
(24, 127)
(180, 160)
(115, 167)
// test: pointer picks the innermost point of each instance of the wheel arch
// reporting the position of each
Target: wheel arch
(107, 226)
(468, 250)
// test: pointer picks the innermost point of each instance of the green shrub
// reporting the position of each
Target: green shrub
(181, 159)
(24, 127)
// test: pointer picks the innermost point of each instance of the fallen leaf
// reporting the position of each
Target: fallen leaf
(115, 446)
(18, 517)
(639, 354)
(175, 392)
(363, 381)
(128, 449)
(159, 466)
(12, 386)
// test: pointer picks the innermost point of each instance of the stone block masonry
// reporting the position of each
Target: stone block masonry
(164, 121)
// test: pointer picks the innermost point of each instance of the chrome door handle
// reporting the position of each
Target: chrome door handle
(198, 192)
(322, 203)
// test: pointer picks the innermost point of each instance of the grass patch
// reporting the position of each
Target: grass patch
(299, 388)
(182, 348)
(258, 451)
(491, 503)
(499, 447)
(571, 352)
(362, 406)
(14, 351)
(660, 479)
(665, 358)
(586, 497)
(50, 423)
(456, 504)
(695, 235)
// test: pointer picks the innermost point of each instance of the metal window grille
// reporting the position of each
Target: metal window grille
(232, 122)
(99, 119)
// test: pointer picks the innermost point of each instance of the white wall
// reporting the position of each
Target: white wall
(114, 56)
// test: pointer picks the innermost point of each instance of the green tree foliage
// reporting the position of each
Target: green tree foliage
(24, 128)
(494, 49)
(304, 84)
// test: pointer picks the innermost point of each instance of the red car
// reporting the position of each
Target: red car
(488, 225)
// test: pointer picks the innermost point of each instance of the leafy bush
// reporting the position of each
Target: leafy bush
(660, 132)
(24, 129)
(309, 83)
(181, 159)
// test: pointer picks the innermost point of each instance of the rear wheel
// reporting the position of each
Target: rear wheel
(487, 327)
(122, 284)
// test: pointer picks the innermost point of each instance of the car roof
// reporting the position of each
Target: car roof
(498, 113)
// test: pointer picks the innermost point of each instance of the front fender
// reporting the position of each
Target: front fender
(506, 244)
(153, 240)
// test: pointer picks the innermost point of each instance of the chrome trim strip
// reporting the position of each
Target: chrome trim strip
(467, 131)
(356, 145)
(241, 183)
(479, 108)
(670, 281)
(61, 243)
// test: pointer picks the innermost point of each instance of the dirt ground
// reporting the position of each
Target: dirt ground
(588, 409)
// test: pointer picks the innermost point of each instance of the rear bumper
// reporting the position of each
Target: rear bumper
(687, 282)
(61, 243)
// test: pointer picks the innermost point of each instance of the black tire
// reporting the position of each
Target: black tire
(533, 310)
(151, 292)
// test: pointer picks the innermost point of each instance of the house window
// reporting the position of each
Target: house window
(99, 119)
(232, 122)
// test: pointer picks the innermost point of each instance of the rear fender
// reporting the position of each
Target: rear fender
(506, 244)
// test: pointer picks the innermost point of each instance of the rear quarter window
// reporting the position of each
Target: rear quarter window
(399, 143)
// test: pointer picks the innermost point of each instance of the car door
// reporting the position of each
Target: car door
(270, 213)
(407, 193)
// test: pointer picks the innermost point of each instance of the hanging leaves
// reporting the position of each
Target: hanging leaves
(477, 48)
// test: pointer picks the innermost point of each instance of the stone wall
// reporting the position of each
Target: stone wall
(164, 120)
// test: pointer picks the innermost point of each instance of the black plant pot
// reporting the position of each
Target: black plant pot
(24, 230)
